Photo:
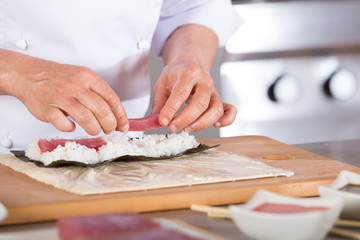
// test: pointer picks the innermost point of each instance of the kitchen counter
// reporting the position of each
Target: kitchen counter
(345, 151)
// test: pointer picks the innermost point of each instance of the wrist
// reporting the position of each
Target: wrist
(13, 66)
(191, 54)
(191, 43)
(4, 73)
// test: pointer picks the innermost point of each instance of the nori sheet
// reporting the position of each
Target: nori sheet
(63, 163)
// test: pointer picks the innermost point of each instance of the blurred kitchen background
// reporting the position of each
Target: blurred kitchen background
(292, 70)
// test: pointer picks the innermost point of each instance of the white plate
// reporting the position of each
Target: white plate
(3, 212)
(297, 226)
(351, 208)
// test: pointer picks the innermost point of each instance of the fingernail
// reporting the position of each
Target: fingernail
(217, 124)
(165, 121)
(125, 128)
(187, 129)
(172, 127)
(72, 127)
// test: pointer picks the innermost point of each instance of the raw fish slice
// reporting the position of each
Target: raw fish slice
(103, 226)
(136, 124)
(144, 124)
(49, 145)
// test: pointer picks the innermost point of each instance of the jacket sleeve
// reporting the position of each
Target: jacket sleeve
(218, 15)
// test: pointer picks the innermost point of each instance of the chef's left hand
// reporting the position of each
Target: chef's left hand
(188, 55)
(184, 82)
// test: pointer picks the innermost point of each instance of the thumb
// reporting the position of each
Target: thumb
(160, 96)
(159, 100)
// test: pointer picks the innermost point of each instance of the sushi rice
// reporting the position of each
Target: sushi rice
(154, 145)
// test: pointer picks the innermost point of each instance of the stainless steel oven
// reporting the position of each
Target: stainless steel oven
(293, 71)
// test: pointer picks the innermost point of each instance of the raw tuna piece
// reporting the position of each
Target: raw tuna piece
(153, 234)
(144, 124)
(103, 226)
(49, 145)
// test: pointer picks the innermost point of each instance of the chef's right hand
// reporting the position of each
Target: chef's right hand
(53, 91)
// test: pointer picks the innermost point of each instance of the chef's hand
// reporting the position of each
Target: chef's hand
(182, 82)
(188, 55)
(52, 92)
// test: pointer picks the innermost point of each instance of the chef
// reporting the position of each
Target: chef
(73, 68)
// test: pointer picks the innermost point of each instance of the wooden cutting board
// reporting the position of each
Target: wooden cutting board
(30, 201)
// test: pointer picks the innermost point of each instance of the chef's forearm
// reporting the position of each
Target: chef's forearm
(191, 43)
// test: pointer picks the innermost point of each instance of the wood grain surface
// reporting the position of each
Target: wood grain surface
(30, 201)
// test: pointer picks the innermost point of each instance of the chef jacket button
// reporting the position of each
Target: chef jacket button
(143, 44)
(21, 44)
(7, 142)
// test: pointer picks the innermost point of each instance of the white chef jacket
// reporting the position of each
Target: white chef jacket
(111, 37)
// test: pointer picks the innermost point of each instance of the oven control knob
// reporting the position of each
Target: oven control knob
(286, 89)
(341, 85)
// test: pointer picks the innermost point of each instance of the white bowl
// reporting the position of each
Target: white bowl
(3, 212)
(351, 208)
(309, 225)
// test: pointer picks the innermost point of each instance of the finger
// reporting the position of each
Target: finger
(228, 117)
(209, 117)
(178, 96)
(100, 108)
(198, 104)
(58, 119)
(113, 100)
(82, 115)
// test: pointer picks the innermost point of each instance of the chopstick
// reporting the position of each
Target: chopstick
(345, 233)
(212, 212)
(347, 223)
(223, 212)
